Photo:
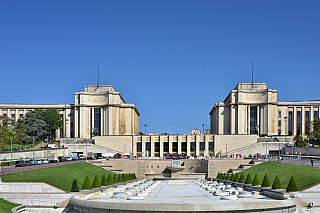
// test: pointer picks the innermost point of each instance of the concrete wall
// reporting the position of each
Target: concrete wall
(37, 154)
(304, 151)
(33, 194)
(223, 165)
(232, 142)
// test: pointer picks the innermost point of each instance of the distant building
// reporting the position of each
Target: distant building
(254, 109)
(100, 109)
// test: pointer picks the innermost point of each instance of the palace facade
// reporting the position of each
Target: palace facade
(99, 108)
(252, 108)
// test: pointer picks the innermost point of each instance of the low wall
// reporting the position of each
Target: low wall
(310, 195)
(37, 154)
(304, 151)
(33, 194)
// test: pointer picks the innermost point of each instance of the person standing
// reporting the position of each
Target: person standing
(311, 162)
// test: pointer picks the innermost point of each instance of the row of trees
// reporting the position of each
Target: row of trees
(116, 178)
(292, 186)
(313, 132)
(38, 124)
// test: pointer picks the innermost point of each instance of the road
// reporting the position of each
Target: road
(8, 170)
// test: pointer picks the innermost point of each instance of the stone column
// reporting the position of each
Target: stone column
(170, 140)
(197, 145)
(143, 144)
(206, 144)
(248, 120)
(152, 141)
(188, 144)
(294, 121)
(303, 116)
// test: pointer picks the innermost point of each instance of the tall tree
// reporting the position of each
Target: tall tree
(53, 121)
(314, 130)
(34, 125)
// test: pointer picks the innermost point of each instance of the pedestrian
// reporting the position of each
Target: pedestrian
(311, 162)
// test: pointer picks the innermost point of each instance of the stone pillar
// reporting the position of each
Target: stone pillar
(170, 140)
(161, 146)
(303, 116)
(258, 119)
(152, 141)
(248, 120)
(294, 122)
(143, 144)
(188, 144)
(179, 144)
(206, 145)
(197, 145)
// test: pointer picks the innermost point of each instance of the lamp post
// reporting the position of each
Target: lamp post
(66, 131)
(11, 151)
(308, 150)
(226, 149)
(33, 147)
(203, 128)
(125, 148)
(145, 129)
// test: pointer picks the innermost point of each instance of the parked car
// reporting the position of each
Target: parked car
(45, 161)
(20, 163)
(175, 156)
(81, 157)
(28, 163)
(168, 156)
(69, 158)
(62, 159)
(34, 162)
(31, 162)
(117, 155)
(183, 156)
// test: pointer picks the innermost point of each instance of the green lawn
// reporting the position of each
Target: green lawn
(305, 176)
(59, 176)
(5, 206)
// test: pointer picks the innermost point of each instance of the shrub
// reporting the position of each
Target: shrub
(256, 181)
(232, 177)
(218, 176)
(74, 187)
(110, 180)
(104, 181)
(241, 179)
(96, 182)
(248, 179)
(277, 183)
(292, 186)
(120, 178)
(266, 182)
(224, 176)
(134, 176)
(87, 184)
(236, 178)
(123, 177)
(228, 177)
(115, 178)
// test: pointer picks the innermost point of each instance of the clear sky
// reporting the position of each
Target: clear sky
(172, 59)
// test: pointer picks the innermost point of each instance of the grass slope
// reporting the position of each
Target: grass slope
(305, 176)
(6, 206)
(59, 176)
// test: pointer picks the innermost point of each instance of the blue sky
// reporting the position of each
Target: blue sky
(172, 59)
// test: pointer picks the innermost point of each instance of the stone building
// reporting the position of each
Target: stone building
(99, 108)
(254, 109)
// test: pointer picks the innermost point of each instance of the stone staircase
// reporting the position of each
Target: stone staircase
(242, 167)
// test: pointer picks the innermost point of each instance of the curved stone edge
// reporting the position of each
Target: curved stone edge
(145, 207)
(18, 209)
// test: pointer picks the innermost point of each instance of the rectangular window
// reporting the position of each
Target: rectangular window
(290, 123)
(13, 118)
(253, 120)
(166, 147)
(202, 147)
(148, 147)
(97, 121)
(315, 115)
(175, 147)
(211, 147)
(279, 123)
(279, 132)
(4, 115)
(156, 146)
(193, 147)
(279, 114)
(184, 147)
(20, 115)
(139, 147)
(299, 122)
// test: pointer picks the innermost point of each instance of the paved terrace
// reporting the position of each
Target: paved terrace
(178, 198)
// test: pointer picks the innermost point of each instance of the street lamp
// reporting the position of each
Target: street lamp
(125, 148)
(203, 128)
(33, 147)
(11, 151)
(226, 149)
(145, 129)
